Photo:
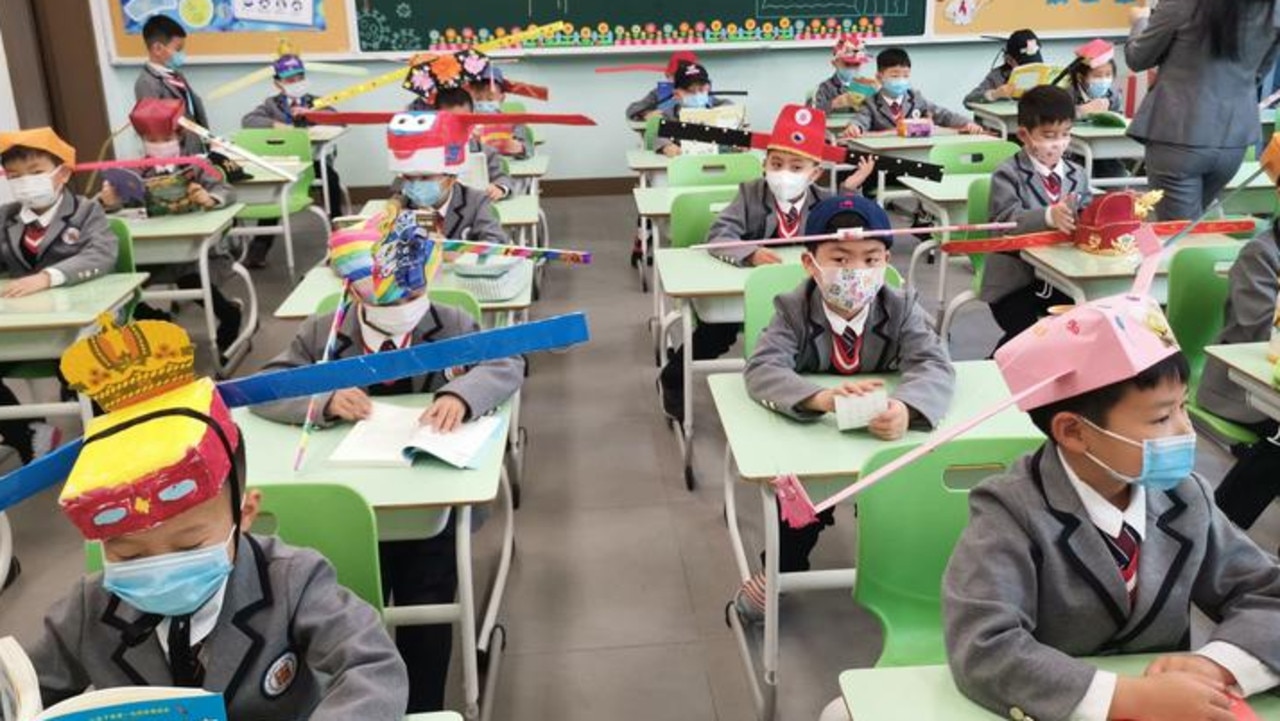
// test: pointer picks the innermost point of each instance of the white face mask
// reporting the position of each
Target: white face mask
(36, 192)
(166, 149)
(1048, 152)
(397, 320)
(785, 185)
(296, 90)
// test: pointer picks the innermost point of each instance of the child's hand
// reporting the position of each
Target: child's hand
(671, 150)
(1170, 697)
(763, 256)
(198, 195)
(1191, 663)
(447, 411)
(851, 131)
(652, 113)
(349, 404)
(496, 192)
(1004, 92)
(511, 146)
(279, 124)
(824, 401)
(108, 197)
(28, 285)
(1062, 215)
(1099, 105)
(866, 166)
(892, 424)
(971, 129)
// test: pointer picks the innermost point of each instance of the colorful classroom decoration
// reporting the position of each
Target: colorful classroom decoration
(227, 15)
(1001, 17)
(233, 28)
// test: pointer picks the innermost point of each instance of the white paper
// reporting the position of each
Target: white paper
(391, 436)
(289, 12)
(854, 412)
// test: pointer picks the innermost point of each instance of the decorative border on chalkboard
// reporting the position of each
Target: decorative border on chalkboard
(381, 33)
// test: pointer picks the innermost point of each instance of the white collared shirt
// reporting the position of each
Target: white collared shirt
(1043, 170)
(374, 338)
(839, 325)
(203, 621)
(28, 216)
(1252, 675)
(159, 68)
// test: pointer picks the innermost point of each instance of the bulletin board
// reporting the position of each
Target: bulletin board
(229, 28)
(1001, 17)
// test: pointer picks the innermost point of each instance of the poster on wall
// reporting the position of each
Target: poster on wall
(978, 17)
(228, 15)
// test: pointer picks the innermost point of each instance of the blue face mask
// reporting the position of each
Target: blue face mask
(488, 106)
(846, 75)
(177, 60)
(696, 100)
(424, 193)
(1166, 462)
(896, 87)
(1098, 88)
(174, 584)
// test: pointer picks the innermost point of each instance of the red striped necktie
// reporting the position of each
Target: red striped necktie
(847, 358)
(32, 237)
(1126, 549)
(1053, 186)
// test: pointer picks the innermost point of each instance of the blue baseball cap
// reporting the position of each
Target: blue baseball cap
(825, 217)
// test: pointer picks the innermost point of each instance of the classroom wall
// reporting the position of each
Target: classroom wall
(945, 72)
(8, 111)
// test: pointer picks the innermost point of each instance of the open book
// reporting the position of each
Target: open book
(392, 437)
(20, 698)
(730, 117)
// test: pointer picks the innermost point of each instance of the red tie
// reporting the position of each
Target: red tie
(896, 109)
(31, 238)
(847, 359)
(1053, 186)
(1126, 549)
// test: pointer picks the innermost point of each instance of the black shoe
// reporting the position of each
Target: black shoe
(142, 311)
(15, 570)
(229, 326)
(637, 253)
(256, 256)
(672, 403)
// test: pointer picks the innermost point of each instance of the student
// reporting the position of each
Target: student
(187, 596)
(488, 96)
(52, 237)
(1093, 90)
(775, 206)
(290, 78)
(1038, 189)
(156, 122)
(1101, 541)
(1022, 48)
(844, 320)
(419, 571)
(1254, 481)
(652, 103)
(692, 90)
(897, 100)
(836, 94)
(161, 76)
(457, 100)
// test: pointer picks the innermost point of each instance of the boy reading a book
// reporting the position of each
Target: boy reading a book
(692, 90)
(845, 91)
(393, 315)
(1021, 48)
(187, 596)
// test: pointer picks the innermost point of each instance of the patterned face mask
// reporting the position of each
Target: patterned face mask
(850, 289)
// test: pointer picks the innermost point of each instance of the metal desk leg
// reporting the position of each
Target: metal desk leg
(731, 516)
(772, 587)
(489, 626)
(322, 155)
(467, 612)
(686, 435)
(6, 547)
(287, 227)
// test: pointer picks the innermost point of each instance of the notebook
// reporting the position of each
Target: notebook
(392, 438)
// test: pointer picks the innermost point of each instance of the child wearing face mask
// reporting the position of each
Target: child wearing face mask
(1094, 91)
(692, 90)
(844, 320)
(656, 100)
(1039, 189)
(419, 571)
(161, 77)
(52, 237)
(1021, 48)
(775, 206)
(156, 122)
(187, 596)
(897, 100)
(840, 93)
(488, 96)
(279, 111)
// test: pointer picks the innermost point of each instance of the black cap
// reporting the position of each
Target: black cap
(689, 75)
(1024, 47)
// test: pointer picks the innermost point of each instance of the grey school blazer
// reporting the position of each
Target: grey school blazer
(468, 216)
(1018, 195)
(153, 84)
(276, 109)
(1250, 312)
(1199, 100)
(482, 387)
(283, 610)
(997, 77)
(753, 216)
(875, 114)
(896, 339)
(78, 242)
(1032, 584)
(827, 92)
(642, 107)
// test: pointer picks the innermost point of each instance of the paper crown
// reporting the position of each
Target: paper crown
(288, 66)
(690, 74)
(120, 366)
(850, 49)
(386, 260)
(873, 216)
(157, 117)
(39, 139)
(430, 73)
(800, 130)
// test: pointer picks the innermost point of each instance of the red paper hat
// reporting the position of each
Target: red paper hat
(800, 130)
(155, 117)
(1096, 53)
(678, 58)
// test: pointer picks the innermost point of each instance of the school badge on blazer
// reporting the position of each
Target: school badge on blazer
(280, 675)
(71, 236)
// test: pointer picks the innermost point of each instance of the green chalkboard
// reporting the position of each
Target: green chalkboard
(406, 25)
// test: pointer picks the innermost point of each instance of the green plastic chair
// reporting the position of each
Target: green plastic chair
(513, 106)
(979, 212)
(908, 526)
(281, 142)
(692, 215)
(721, 169)
(456, 297)
(1197, 295)
(651, 131)
(982, 157)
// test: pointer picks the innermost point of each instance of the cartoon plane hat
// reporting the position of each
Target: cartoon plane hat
(39, 139)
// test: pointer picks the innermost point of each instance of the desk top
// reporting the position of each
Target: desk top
(694, 273)
(430, 483)
(262, 176)
(1248, 358)
(320, 282)
(75, 306)
(654, 202)
(512, 212)
(928, 692)
(646, 161)
(766, 444)
(326, 133)
(190, 225)
(951, 189)
(1093, 132)
(1071, 262)
(999, 109)
(534, 167)
(1249, 167)
(838, 120)
(890, 143)
(637, 125)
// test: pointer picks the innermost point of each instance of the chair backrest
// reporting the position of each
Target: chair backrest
(982, 157)
(334, 520)
(1197, 296)
(762, 286)
(651, 130)
(979, 212)
(720, 169)
(908, 525)
(282, 142)
(693, 213)
(124, 245)
(513, 106)
(461, 299)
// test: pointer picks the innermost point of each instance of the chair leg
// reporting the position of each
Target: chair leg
(949, 315)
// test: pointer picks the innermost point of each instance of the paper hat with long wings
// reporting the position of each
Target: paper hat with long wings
(288, 63)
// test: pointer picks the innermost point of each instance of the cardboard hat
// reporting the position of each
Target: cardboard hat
(1024, 45)
(288, 66)
(431, 72)
(387, 260)
(39, 139)
(851, 50)
(801, 130)
(690, 74)
(157, 117)
(872, 215)
(1096, 53)
(680, 57)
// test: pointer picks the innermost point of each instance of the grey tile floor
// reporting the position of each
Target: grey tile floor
(615, 608)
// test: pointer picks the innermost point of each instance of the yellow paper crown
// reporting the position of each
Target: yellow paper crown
(120, 366)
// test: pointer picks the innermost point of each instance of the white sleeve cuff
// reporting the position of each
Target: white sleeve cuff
(56, 277)
(1048, 215)
(1252, 675)
(1096, 703)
